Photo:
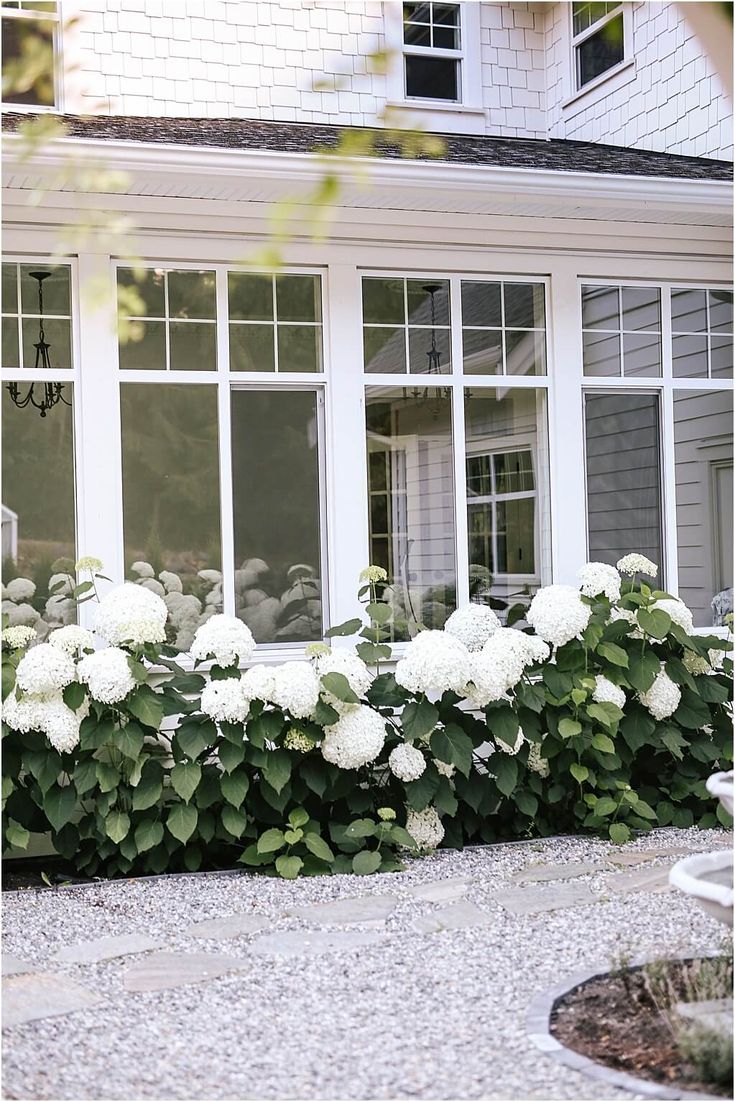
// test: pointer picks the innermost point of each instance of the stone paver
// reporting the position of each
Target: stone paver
(341, 912)
(106, 948)
(14, 966)
(163, 971)
(27, 998)
(525, 901)
(440, 891)
(543, 873)
(457, 916)
(231, 926)
(641, 880)
(307, 943)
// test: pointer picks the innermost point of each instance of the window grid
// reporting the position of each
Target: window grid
(621, 331)
(504, 328)
(707, 334)
(18, 315)
(276, 325)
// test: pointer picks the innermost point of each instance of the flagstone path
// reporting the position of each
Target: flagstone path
(410, 985)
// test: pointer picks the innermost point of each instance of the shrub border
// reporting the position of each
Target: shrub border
(538, 1031)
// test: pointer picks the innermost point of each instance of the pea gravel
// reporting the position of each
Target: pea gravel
(407, 1015)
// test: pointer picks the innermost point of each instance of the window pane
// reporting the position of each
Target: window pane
(445, 38)
(32, 37)
(481, 304)
(703, 464)
(299, 348)
(193, 346)
(689, 311)
(11, 352)
(10, 289)
(524, 305)
(721, 352)
(419, 347)
(58, 337)
(432, 77)
(623, 477)
(419, 301)
(171, 517)
(506, 443)
(250, 297)
(720, 311)
(642, 309)
(689, 356)
(150, 289)
(600, 308)
(482, 351)
(416, 34)
(385, 349)
(191, 295)
(275, 470)
(148, 353)
(446, 14)
(382, 301)
(412, 438)
(525, 352)
(38, 519)
(601, 354)
(297, 298)
(600, 51)
(252, 348)
(642, 354)
(55, 290)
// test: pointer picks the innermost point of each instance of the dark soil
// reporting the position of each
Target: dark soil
(613, 1021)
(38, 872)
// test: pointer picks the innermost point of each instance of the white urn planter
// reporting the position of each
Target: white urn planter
(707, 877)
(721, 786)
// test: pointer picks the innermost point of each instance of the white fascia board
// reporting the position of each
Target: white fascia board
(162, 161)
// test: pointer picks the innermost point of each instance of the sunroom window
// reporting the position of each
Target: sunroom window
(432, 51)
(598, 39)
(30, 52)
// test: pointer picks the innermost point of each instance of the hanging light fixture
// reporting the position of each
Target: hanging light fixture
(433, 354)
(52, 392)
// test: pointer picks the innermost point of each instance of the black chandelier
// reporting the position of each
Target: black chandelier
(52, 392)
(433, 354)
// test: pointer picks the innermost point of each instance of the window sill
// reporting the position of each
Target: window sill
(604, 85)
(440, 115)
(31, 109)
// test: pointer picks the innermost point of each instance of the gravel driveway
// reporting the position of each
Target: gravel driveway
(418, 989)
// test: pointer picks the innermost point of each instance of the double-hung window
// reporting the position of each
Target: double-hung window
(598, 39)
(432, 52)
(31, 51)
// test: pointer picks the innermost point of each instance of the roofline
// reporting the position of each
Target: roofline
(308, 168)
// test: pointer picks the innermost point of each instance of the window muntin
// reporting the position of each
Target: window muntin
(621, 331)
(275, 322)
(177, 325)
(397, 325)
(432, 52)
(503, 328)
(598, 40)
(701, 333)
(21, 317)
(30, 33)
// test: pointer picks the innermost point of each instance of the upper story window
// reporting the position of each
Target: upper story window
(598, 39)
(30, 52)
(432, 52)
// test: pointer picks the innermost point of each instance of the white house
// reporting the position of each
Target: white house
(502, 360)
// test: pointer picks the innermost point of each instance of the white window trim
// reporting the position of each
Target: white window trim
(463, 116)
(58, 60)
(576, 98)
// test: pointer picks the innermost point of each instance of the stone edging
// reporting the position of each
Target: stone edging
(538, 1021)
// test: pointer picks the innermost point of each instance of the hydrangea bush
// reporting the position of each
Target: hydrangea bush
(605, 713)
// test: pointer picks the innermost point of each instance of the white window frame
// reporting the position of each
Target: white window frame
(33, 15)
(578, 98)
(664, 386)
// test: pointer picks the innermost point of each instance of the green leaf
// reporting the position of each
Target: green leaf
(129, 740)
(644, 810)
(250, 856)
(711, 690)
(609, 715)
(17, 835)
(314, 773)
(619, 833)
(288, 867)
(85, 775)
(74, 695)
(558, 683)
(234, 787)
(637, 727)
(569, 728)
(298, 817)
(338, 685)
(503, 724)
(107, 776)
(360, 828)
(579, 772)
(316, 845)
(379, 611)
(527, 803)
(230, 755)
(605, 806)
(325, 715)
(505, 769)
(419, 718)
(531, 696)
(148, 833)
(420, 792)
(270, 841)
(366, 862)
(373, 652)
(191, 740)
(147, 793)
(614, 654)
(146, 706)
(291, 837)
(655, 622)
(59, 804)
(453, 746)
(692, 712)
(117, 825)
(603, 743)
(182, 821)
(184, 779)
(349, 627)
(643, 670)
(277, 769)
(44, 765)
(234, 820)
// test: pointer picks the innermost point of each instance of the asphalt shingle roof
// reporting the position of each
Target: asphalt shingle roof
(251, 134)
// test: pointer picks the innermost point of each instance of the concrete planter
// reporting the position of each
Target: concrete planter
(707, 877)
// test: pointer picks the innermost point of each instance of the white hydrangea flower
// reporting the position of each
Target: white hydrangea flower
(698, 664)
(26, 714)
(558, 614)
(444, 768)
(213, 577)
(425, 827)
(153, 586)
(22, 615)
(512, 750)
(406, 762)
(500, 664)
(171, 582)
(44, 669)
(663, 697)
(258, 683)
(605, 692)
(20, 589)
(637, 564)
(296, 739)
(535, 762)
(64, 582)
(71, 639)
(90, 564)
(598, 577)
(47, 713)
(434, 662)
(350, 666)
(627, 614)
(18, 637)
(60, 610)
(107, 674)
(143, 569)
(61, 726)
(131, 614)
(355, 739)
(224, 701)
(295, 688)
(472, 625)
(373, 574)
(678, 612)
(226, 639)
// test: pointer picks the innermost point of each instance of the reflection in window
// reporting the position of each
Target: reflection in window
(173, 327)
(30, 48)
(432, 58)
(406, 322)
(704, 502)
(411, 492)
(623, 477)
(701, 333)
(171, 513)
(507, 466)
(621, 331)
(503, 328)
(38, 518)
(275, 322)
(277, 509)
(21, 315)
(597, 37)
